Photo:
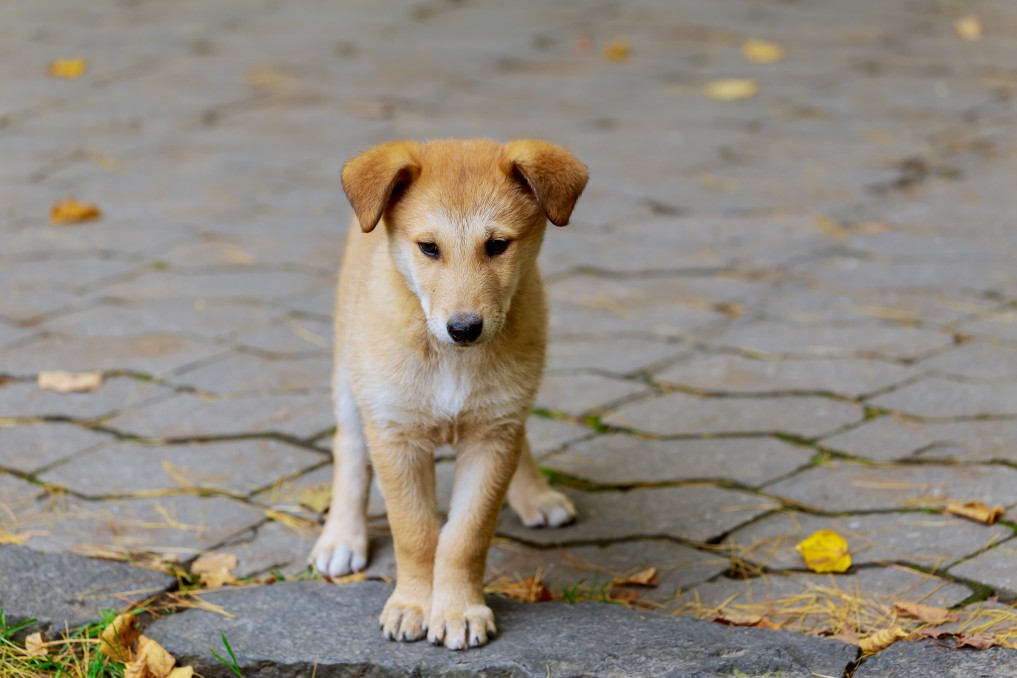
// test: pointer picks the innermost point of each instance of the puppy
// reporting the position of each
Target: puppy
(440, 333)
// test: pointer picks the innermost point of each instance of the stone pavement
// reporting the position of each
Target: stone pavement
(792, 312)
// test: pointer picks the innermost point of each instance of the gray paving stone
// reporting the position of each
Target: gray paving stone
(32, 303)
(942, 398)
(590, 568)
(249, 284)
(781, 338)
(190, 415)
(17, 496)
(780, 597)
(929, 541)
(156, 354)
(239, 466)
(291, 337)
(247, 373)
(593, 639)
(890, 438)
(75, 275)
(843, 486)
(1000, 325)
(681, 414)
(740, 374)
(26, 399)
(623, 459)
(550, 435)
(29, 448)
(914, 660)
(61, 590)
(620, 356)
(580, 394)
(696, 513)
(173, 526)
(993, 568)
(977, 360)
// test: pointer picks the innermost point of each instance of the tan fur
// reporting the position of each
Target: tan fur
(403, 388)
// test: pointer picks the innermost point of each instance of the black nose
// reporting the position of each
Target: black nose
(464, 328)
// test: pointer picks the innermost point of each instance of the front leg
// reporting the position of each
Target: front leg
(485, 461)
(405, 468)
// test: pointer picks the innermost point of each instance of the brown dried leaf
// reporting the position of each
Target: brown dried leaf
(529, 590)
(624, 596)
(151, 661)
(926, 613)
(68, 68)
(182, 672)
(70, 211)
(979, 641)
(35, 646)
(732, 89)
(881, 640)
(215, 569)
(762, 51)
(117, 640)
(617, 51)
(976, 510)
(968, 27)
(647, 577)
(729, 618)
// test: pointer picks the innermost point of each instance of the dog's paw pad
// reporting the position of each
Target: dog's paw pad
(338, 558)
(550, 508)
(403, 621)
(471, 627)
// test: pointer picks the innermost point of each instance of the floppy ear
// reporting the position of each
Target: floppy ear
(554, 175)
(372, 177)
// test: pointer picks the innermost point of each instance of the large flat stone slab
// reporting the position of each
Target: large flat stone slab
(928, 657)
(63, 590)
(938, 398)
(296, 628)
(995, 568)
(890, 439)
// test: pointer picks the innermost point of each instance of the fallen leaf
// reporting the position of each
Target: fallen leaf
(70, 211)
(316, 497)
(645, 577)
(352, 578)
(831, 228)
(529, 590)
(979, 641)
(762, 51)
(68, 68)
(214, 569)
(846, 635)
(12, 538)
(825, 551)
(976, 510)
(69, 382)
(881, 640)
(151, 661)
(729, 618)
(182, 672)
(117, 639)
(35, 646)
(732, 89)
(626, 596)
(926, 613)
(968, 27)
(617, 51)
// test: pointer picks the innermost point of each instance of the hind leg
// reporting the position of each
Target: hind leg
(342, 547)
(533, 499)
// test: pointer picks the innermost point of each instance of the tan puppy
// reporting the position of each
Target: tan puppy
(440, 331)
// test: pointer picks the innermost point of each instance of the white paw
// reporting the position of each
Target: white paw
(547, 508)
(472, 626)
(336, 555)
(404, 618)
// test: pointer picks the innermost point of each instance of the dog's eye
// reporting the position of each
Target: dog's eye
(429, 248)
(496, 247)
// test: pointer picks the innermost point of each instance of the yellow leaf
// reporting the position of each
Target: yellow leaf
(182, 672)
(12, 538)
(617, 51)
(151, 661)
(70, 211)
(215, 569)
(69, 382)
(825, 551)
(349, 578)
(881, 640)
(926, 613)
(68, 68)
(968, 27)
(316, 497)
(35, 646)
(644, 578)
(976, 510)
(117, 639)
(732, 89)
(762, 51)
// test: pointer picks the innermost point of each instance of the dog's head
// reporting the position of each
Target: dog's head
(464, 221)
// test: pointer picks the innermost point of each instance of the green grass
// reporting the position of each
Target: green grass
(75, 656)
